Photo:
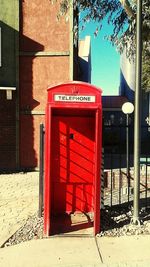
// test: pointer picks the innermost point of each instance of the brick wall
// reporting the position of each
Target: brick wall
(44, 62)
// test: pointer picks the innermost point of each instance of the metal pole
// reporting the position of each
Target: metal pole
(137, 124)
(127, 152)
(41, 169)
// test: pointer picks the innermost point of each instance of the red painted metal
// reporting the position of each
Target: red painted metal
(72, 152)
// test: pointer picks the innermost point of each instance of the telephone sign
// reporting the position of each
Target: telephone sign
(74, 98)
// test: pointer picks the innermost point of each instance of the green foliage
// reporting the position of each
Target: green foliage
(121, 14)
(146, 72)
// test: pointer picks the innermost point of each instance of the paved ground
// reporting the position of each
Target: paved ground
(78, 252)
(19, 199)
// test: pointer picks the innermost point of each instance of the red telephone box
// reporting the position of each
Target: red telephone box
(73, 134)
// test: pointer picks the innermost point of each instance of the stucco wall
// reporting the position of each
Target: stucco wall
(8, 78)
(44, 61)
(36, 52)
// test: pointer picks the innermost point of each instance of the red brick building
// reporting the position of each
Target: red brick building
(41, 53)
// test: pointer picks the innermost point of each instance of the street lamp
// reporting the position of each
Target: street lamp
(127, 109)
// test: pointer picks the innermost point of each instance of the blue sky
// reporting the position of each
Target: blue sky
(105, 60)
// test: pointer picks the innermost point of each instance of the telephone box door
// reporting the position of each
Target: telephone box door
(73, 146)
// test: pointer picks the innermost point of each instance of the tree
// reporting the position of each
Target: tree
(146, 72)
(122, 15)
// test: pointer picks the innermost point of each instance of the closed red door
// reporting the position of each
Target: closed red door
(72, 164)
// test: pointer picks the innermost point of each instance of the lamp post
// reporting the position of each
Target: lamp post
(127, 109)
(137, 121)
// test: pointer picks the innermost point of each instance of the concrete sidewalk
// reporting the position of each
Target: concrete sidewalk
(79, 252)
(19, 200)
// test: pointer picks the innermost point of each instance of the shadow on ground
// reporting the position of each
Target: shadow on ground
(119, 217)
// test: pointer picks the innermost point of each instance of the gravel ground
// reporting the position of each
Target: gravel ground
(32, 229)
(114, 222)
(117, 222)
